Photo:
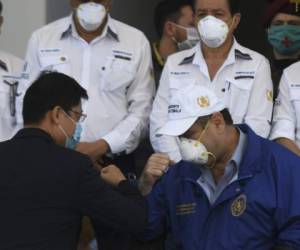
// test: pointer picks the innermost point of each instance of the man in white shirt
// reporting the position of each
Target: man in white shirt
(10, 71)
(240, 76)
(286, 121)
(112, 61)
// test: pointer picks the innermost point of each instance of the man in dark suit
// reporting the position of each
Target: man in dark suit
(46, 188)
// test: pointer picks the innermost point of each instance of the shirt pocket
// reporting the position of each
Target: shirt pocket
(180, 83)
(238, 96)
(55, 63)
(118, 75)
(4, 100)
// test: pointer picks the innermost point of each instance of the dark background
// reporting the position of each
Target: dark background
(139, 13)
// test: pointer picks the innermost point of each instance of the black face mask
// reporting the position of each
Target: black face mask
(284, 63)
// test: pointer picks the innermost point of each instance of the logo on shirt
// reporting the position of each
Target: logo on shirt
(203, 101)
(174, 109)
(239, 205)
(176, 73)
(270, 95)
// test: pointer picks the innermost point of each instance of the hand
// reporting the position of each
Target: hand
(98, 166)
(156, 167)
(112, 175)
(94, 150)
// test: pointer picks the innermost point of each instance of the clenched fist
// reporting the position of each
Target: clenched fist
(156, 167)
(112, 175)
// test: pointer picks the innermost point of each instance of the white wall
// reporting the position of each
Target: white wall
(21, 18)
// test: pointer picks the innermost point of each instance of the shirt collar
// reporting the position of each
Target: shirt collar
(196, 56)
(3, 66)
(240, 149)
(232, 167)
(110, 29)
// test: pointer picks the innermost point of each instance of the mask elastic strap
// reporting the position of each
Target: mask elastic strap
(174, 39)
(214, 163)
(207, 152)
(204, 130)
(63, 131)
(180, 26)
(231, 25)
(70, 117)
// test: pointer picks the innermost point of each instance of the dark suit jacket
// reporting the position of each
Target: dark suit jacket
(45, 190)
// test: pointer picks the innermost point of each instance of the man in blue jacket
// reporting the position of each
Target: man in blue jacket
(233, 190)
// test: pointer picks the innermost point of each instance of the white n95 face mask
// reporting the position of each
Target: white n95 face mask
(91, 15)
(193, 151)
(213, 31)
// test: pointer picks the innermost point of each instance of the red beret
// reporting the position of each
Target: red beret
(280, 6)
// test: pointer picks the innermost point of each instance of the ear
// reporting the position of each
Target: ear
(169, 29)
(218, 120)
(55, 115)
(236, 20)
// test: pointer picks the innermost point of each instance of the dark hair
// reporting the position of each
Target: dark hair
(202, 121)
(168, 10)
(234, 6)
(1, 7)
(51, 89)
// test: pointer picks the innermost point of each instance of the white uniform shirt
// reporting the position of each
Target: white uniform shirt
(115, 69)
(244, 82)
(286, 120)
(10, 71)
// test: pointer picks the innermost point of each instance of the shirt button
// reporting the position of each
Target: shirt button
(63, 59)
(238, 190)
(103, 68)
(223, 90)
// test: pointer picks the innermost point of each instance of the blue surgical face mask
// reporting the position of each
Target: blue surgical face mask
(285, 38)
(72, 142)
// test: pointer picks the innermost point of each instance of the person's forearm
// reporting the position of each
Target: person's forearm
(136, 208)
(289, 145)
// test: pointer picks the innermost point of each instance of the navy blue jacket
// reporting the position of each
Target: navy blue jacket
(258, 211)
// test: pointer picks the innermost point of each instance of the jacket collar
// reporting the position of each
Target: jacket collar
(109, 30)
(251, 161)
(33, 132)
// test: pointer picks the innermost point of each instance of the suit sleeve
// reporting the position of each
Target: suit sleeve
(123, 209)
(287, 214)
(157, 213)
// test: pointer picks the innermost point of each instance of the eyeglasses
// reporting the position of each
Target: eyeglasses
(81, 115)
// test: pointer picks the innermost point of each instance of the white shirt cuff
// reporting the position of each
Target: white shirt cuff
(115, 142)
(283, 129)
